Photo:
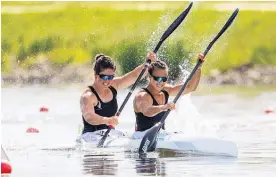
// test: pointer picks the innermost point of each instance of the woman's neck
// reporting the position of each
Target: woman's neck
(152, 90)
(99, 88)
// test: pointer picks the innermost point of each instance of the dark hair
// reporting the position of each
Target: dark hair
(103, 62)
(157, 64)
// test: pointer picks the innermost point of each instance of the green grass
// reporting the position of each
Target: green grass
(101, 27)
(238, 90)
(25, 3)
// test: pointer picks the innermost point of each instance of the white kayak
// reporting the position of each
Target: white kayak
(176, 141)
(4, 156)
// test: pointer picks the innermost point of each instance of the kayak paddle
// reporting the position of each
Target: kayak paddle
(149, 141)
(165, 35)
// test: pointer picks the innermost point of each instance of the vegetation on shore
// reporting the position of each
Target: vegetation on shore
(75, 33)
(243, 91)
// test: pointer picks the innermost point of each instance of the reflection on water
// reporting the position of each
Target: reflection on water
(100, 165)
(109, 164)
(151, 164)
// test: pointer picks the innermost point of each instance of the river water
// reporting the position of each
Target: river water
(51, 152)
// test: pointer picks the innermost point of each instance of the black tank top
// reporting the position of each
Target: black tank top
(108, 109)
(143, 122)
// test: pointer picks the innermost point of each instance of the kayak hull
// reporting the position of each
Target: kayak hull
(176, 141)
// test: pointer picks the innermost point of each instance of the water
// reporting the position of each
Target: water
(51, 152)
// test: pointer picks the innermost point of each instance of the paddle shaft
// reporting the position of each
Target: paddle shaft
(101, 142)
(130, 93)
(149, 140)
(200, 61)
(124, 103)
(181, 90)
(134, 85)
(165, 35)
(136, 82)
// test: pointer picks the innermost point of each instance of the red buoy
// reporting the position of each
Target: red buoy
(32, 130)
(43, 109)
(268, 111)
(5, 167)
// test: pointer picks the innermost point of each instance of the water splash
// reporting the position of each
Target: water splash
(165, 21)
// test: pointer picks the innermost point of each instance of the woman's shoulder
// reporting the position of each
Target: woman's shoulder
(142, 95)
(87, 94)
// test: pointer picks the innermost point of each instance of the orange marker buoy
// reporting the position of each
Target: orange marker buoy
(32, 130)
(43, 109)
(5, 167)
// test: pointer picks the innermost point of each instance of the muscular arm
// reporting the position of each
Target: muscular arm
(143, 104)
(87, 102)
(129, 78)
(192, 85)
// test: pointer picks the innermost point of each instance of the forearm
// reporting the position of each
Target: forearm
(154, 110)
(195, 80)
(95, 119)
(128, 79)
(135, 73)
(191, 86)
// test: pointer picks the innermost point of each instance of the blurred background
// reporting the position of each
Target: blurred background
(55, 42)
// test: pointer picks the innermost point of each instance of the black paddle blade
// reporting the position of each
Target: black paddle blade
(149, 142)
(224, 28)
(166, 34)
(173, 26)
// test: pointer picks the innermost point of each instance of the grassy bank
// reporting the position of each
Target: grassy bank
(76, 32)
(243, 91)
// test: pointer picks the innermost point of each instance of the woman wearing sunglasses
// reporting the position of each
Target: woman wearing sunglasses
(99, 101)
(152, 102)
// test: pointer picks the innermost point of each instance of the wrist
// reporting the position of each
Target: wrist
(105, 121)
(163, 108)
(148, 62)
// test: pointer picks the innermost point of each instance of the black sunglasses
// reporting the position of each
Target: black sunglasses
(106, 77)
(160, 79)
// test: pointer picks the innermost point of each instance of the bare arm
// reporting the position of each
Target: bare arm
(129, 78)
(87, 102)
(143, 104)
(192, 85)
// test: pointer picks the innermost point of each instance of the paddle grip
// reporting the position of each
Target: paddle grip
(201, 57)
(117, 115)
(148, 62)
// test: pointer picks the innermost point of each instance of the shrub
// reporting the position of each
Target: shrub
(130, 55)
(62, 57)
(264, 55)
(175, 55)
(5, 46)
(43, 45)
(89, 30)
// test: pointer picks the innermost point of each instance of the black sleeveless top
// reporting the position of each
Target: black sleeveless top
(108, 109)
(143, 122)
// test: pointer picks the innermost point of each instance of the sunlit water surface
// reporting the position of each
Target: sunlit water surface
(51, 152)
